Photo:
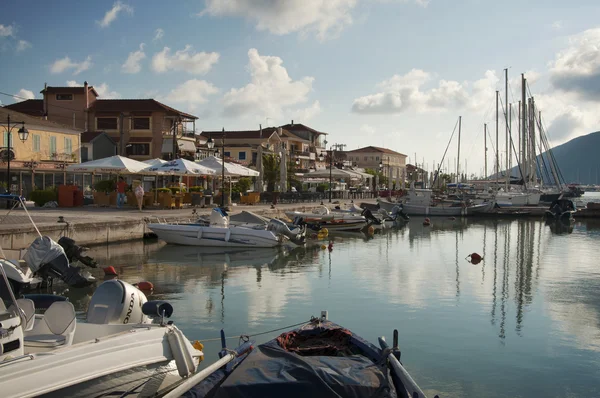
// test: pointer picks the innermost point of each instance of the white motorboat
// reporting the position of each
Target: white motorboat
(115, 353)
(419, 202)
(220, 234)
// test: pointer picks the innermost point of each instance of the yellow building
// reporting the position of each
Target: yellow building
(40, 160)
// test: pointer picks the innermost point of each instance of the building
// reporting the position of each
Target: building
(40, 161)
(96, 145)
(393, 164)
(141, 128)
(300, 143)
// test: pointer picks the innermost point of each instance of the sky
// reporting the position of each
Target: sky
(390, 73)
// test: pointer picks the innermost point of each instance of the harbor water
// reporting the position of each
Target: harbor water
(524, 322)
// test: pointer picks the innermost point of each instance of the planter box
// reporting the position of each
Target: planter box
(187, 198)
(131, 199)
(112, 198)
(101, 199)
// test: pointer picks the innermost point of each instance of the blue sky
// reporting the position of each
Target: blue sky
(394, 73)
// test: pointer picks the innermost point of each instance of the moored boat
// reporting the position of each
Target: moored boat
(561, 209)
(320, 358)
(419, 202)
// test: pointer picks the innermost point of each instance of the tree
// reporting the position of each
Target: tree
(270, 170)
(383, 180)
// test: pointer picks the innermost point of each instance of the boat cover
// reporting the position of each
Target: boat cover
(42, 251)
(272, 371)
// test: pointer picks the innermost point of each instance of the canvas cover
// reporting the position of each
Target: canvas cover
(271, 371)
(42, 251)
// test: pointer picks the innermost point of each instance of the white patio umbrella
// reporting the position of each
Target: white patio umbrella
(231, 169)
(180, 167)
(113, 164)
(335, 173)
(154, 162)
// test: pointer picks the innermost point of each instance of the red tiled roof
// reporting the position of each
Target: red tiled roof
(300, 127)
(249, 134)
(137, 105)
(69, 90)
(33, 107)
(376, 149)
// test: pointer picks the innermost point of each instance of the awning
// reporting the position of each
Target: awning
(184, 145)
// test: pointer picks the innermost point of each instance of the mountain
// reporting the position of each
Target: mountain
(578, 159)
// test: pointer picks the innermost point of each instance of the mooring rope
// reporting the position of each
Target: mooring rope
(247, 336)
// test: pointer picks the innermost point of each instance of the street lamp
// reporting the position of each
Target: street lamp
(223, 170)
(23, 134)
(297, 161)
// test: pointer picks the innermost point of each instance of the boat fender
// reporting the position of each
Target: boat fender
(156, 308)
(110, 270)
(323, 247)
(181, 354)
(474, 258)
(427, 222)
(145, 286)
(371, 230)
(330, 246)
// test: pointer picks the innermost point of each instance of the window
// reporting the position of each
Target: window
(36, 143)
(242, 156)
(366, 158)
(227, 154)
(140, 123)
(107, 123)
(5, 142)
(64, 97)
(52, 145)
(376, 157)
(68, 146)
(84, 154)
(138, 149)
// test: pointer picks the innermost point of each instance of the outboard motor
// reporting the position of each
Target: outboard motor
(49, 260)
(368, 215)
(398, 211)
(116, 302)
(75, 252)
(297, 236)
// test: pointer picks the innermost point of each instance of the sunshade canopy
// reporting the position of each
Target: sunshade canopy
(113, 164)
(231, 169)
(180, 167)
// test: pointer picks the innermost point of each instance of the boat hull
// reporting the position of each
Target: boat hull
(197, 235)
(445, 211)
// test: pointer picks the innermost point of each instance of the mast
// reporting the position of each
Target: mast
(509, 172)
(524, 127)
(497, 152)
(458, 161)
(506, 125)
(532, 155)
(485, 150)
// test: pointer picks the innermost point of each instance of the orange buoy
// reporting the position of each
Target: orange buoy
(110, 271)
(427, 222)
(145, 285)
(475, 258)
(330, 246)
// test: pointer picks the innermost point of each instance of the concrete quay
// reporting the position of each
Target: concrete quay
(97, 225)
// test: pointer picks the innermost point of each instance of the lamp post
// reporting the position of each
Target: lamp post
(223, 169)
(23, 134)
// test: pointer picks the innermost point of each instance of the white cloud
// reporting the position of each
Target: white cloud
(324, 17)
(306, 113)
(193, 92)
(23, 45)
(271, 89)
(159, 34)
(132, 64)
(25, 94)
(64, 64)
(197, 63)
(112, 14)
(6, 30)
(577, 68)
(103, 90)
(557, 25)
(403, 92)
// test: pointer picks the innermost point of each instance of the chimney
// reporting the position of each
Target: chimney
(292, 122)
(85, 91)
(45, 102)
(260, 126)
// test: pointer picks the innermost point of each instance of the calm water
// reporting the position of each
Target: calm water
(523, 323)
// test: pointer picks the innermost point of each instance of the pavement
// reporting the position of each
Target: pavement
(92, 214)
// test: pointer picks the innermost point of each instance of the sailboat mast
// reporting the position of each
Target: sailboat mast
(497, 151)
(508, 172)
(458, 161)
(485, 150)
(524, 127)
(506, 125)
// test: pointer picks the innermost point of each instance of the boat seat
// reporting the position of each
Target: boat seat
(59, 320)
(28, 308)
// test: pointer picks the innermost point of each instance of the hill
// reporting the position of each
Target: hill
(578, 159)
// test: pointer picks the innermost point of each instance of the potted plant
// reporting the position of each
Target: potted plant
(103, 192)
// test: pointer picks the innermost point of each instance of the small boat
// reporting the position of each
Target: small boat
(419, 202)
(46, 260)
(332, 220)
(561, 209)
(382, 219)
(118, 351)
(221, 234)
(318, 359)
